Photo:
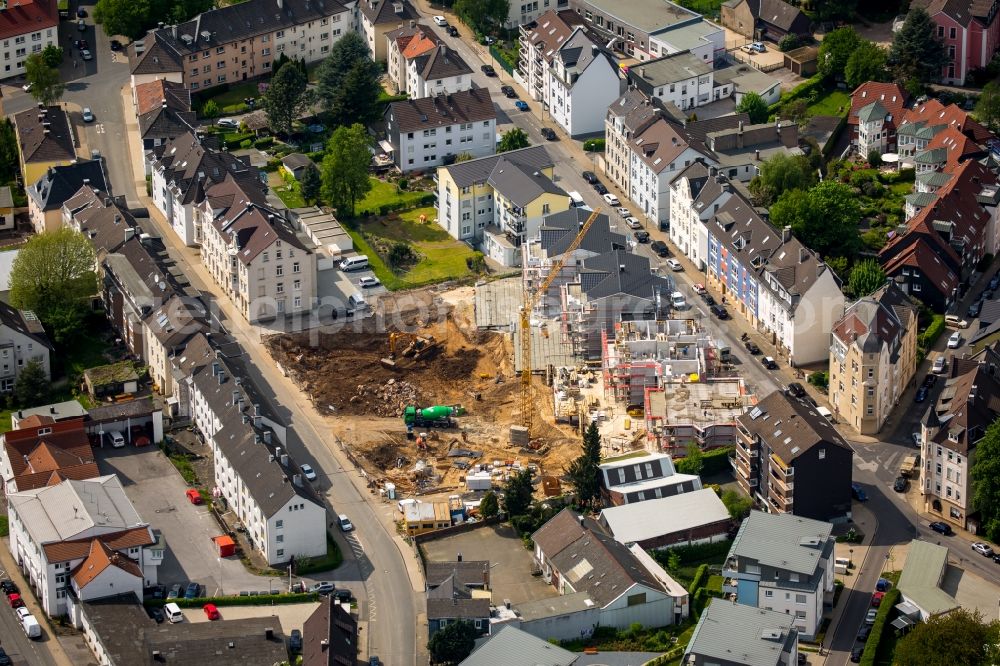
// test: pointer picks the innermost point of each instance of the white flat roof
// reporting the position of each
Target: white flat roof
(640, 521)
(652, 484)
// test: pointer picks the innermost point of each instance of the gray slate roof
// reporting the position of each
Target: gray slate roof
(513, 647)
(673, 68)
(60, 183)
(800, 428)
(783, 541)
(521, 183)
(621, 273)
(24, 323)
(559, 229)
(478, 171)
(441, 63)
(379, 12)
(467, 106)
(742, 634)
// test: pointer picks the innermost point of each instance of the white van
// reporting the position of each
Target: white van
(575, 199)
(32, 629)
(354, 263)
(357, 301)
(117, 439)
(173, 613)
(677, 301)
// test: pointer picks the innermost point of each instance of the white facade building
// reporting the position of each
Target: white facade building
(26, 27)
(583, 82)
(437, 72)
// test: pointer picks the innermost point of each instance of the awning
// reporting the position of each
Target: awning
(385, 146)
(172, 400)
(902, 623)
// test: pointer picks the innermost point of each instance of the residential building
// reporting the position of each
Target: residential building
(782, 563)
(379, 17)
(656, 156)
(54, 532)
(540, 40)
(254, 254)
(790, 459)
(22, 340)
(295, 164)
(57, 185)
(431, 131)
(167, 331)
(627, 116)
(759, 19)
(576, 555)
(498, 201)
(7, 222)
(682, 79)
(197, 353)
(882, 106)
(257, 480)
(120, 633)
(681, 412)
(740, 148)
(237, 42)
(44, 414)
(696, 195)
(678, 520)
(40, 451)
(404, 43)
(102, 219)
(583, 81)
(739, 635)
(510, 645)
(921, 583)
(873, 358)
(646, 29)
(451, 601)
(970, 32)
(920, 126)
(163, 108)
(949, 433)
(437, 71)
(44, 139)
(769, 277)
(26, 27)
(133, 285)
(183, 169)
(740, 79)
(629, 479)
(330, 635)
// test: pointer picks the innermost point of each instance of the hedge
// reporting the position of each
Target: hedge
(383, 210)
(889, 601)
(712, 462)
(701, 551)
(932, 333)
(258, 600)
(699, 580)
(594, 145)
(265, 142)
(804, 89)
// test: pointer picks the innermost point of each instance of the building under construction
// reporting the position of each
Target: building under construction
(681, 412)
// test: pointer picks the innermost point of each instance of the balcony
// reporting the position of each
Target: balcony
(786, 486)
(778, 500)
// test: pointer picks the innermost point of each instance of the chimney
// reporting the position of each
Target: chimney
(129, 233)
(803, 254)
(459, 558)
(52, 410)
(297, 480)
(267, 436)
(642, 72)
(284, 459)
(740, 127)
(442, 48)
(621, 268)
(173, 30)
(215, 368)
(786, 234)
(756, 155)
(281, 4)
(580, 519)
(413, 24)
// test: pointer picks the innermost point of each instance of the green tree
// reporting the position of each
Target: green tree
(210, 109)
(692, 462)
(986, 479)
(866, 63)
(331, 73)
(988, 107)
(825, 218)
(489, 507)
(453, 642)
(53, 276)
(345, 168)
(32, 385)
(584, 471)
(788, 43)
(737, 504)
(917, 52)
(517, 494)
(485, 16)
(285, 98)
(52, 55)
(968, 639)
(866, 277)
(311, 183)
(754, 106)
(779, 174)
(357, 99)
(122, 17)
(835, 50)
(46, 86)
(8, 151)
(513, 139)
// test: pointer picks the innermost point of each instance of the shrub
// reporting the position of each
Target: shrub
(272, 165)
(932, 332)
(259, 600)
(889, 601)
(210, 109)
(712, 462)
(246, 143)
(788, 43)
(810, 87)
(403, 183)
(594, 145)
(699, 580)
(265, 142)
(820, 380)
(696, 552)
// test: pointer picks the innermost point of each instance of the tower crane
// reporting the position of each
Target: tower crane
(530, 300)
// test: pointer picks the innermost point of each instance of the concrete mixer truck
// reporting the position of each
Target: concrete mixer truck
(438, 416)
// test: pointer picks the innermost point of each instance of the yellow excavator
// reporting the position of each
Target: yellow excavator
(408, 345)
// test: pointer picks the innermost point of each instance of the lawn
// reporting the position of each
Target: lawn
(385, 194)
(290, 194)
(442, 257)
(833, 103)
(230, 98)
(705, 7)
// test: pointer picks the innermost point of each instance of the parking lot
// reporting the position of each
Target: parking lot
(511, 563)
(157, 491)
(291, 616)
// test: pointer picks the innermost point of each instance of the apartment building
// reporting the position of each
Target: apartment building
(782, 563)
(258, 481)
(876, 111)
(873, 358)
(380, 17)
(680, 413)
(525, 12)
(240, 41)
(167, 332)
(759, 18)
(431, 131)
(682, 79)
(265, 268)
(44, 140)
(626, 117)
(22, 340)
(26, 27)
(790, 459)
(630, 479)
(436, 72)
(57, 185)
(970, 32)
(780, 286)
(402, 45)
(696, 195)
(45, 446)
(102, 219)
(164, 111)
(183, 169)
(540, 40)
(583, 81)
(921, 125)
(57, 531)
(950, 431)
(133, 285)
(730, 634)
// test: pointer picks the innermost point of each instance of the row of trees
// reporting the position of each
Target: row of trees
(131, 18)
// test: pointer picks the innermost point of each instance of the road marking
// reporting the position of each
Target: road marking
(99, 128)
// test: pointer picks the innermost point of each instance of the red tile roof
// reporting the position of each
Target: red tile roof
(960, 147)
(889, 95)
(421, 43)
(24, 16)
(154, 94)
(924, 255)
(30, 453)
(933, 112)
(99, 559)
(63, 551)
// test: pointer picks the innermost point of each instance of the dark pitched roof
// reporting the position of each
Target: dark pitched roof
(380, 12)
(967, 405)
(779, 13)
(296, 161)
(878, 321)
(121, 410)
(467, 106)
(45, 135)
(558, 230)
(152, 55)
(478, 171)
(621, 273)
(330, 636)
(192, 167)
(251, 226)
(790, 426)
(103, 220)
(468, 573)
(560, 531)
(440, 63)
(551, 30)
(177, 321)
(25, 323)
(60, 183)
(164, 109)
(520, 183)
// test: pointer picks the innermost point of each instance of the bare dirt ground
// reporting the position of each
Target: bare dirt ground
(345, 380)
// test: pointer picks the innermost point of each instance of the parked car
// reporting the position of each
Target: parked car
(974, 310)
(901, 484)
(344, 523)
(175, 591)
(26, 87)
(157, 614)
(9, 587)
(915, 436)
(88, 115)
(81, 44)
(954, 321)
(870, 615)
(674, 265)
(549, 134)
(709, 301)
(193, 591)
(612, 200)
(322, 587)
(116, 45)
(921, 394)
(521, 105)
(508, 91)
(440, 21)
(929, 381)
(856, 653)
(4, 659)
(720, 312)
(80, 25)
(940, 365)
(796, 390)
(15, 600)
(769, 363)
(86, 54)
(81, 12)
(877, 599)
(995, 281)
(343, 595)
(883, 585)
(633, 222)
(228, 123)
(660, 248)
(488, 70)
(858, 493)
(983, 549)
(368, 281)
(295, 640)
(751, 347)
(193, 496)
(452, 30)
(864, 631)
(211, 612)
(954, 340)
(308, 471)
(600, 189)
(677, 301)
(941, 528)
(589, 177)
(641, 236)
(624, 212)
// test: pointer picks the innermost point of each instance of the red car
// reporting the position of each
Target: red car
(15, 600)
(193, 496)
(877, 599)
(211, 612)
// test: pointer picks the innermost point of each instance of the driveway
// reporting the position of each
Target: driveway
(157, 491)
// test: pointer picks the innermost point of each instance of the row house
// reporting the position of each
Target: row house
(26, 27)
(920, 125)
(265, 268)
(696, 195)
(873, 358)
(780, 286)
(47, 195)
(656, 156)
(540, 40)
(163, 108)
(402, 45)
(950, 431)
(526, 12)
(45, 139)
(627, 116)
(970, 32)
(682, 79)
(183, 169)
(65, 535)
(266, 490)
(583, 81)
(237, 42)
(436, 72)
(431, 131)
(790, 459)
(379, 18)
